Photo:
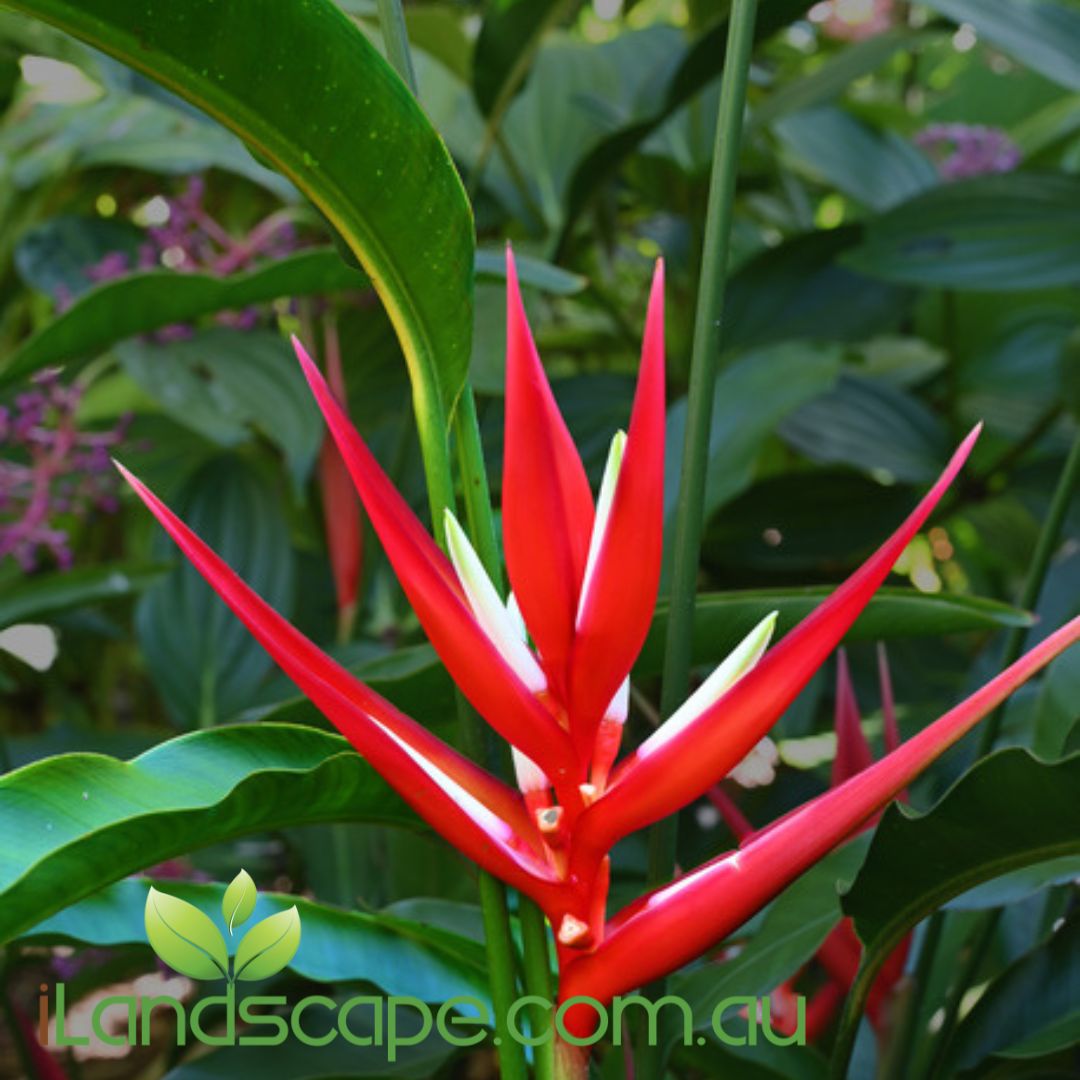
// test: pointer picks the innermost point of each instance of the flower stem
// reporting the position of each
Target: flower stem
(396, 37)
(496, 917)
(703, 367)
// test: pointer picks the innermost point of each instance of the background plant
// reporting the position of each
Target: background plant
(882, 298)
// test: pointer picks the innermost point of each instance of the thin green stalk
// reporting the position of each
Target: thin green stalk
(496, 917)
(703, 366)
(704, 361)
(900, 1039)
(396, 36)
(534, 940)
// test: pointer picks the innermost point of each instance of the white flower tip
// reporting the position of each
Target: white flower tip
(530, 777)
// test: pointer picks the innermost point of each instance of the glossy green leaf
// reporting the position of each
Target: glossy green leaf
(401, 952)
(40, 596)
(1043, 34)
(751, 397)
(239, 901)
(142, 302)
(222, 382)
(202, 659)
(869, 425)
(820, 298)
(721, 620)
(879, 169)
(998, 233)
(309, 94)
(1009, 811)
(1032, 1008)
(88, 820)
(184, 937)
(268, 946)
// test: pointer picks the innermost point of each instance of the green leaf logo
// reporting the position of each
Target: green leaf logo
(268, 946)
(239, 900)
(185, 938)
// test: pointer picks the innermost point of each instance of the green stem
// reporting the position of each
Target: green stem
(703, 367)
(900, 1040)
(534, 939)
(496, 917)
(396, 36)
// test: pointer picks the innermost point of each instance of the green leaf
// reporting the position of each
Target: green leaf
(302, 86)
(239, 900)
(721, 620)
(1009, 811)
(220, 383)
(750, 398)
(1043, 34)
(39, 596)
(531, 271)
(142, 302)
(821, 299)
(1032, 1008)
(869, 425)
(88, 820)
(202, 658)
(402, 952)
(998, 233)
(185, 938)
(879, 169)
(268, 946)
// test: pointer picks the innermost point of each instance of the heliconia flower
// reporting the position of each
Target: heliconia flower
(549, 668)
(341, 509)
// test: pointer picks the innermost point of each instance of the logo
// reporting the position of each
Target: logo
(188, 941)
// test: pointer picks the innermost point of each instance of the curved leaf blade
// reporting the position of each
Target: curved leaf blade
(239, 900)
(185, 938)
(88, 819)
(268, 946)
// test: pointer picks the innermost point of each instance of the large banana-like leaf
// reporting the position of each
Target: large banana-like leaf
(302, 86)
(76, 822)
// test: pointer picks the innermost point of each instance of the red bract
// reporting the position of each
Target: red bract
(549, 671)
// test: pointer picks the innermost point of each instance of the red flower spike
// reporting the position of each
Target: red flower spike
(613, 618)
(341, 508)
(476, 812)
(678, 922)
(565, 716)
(888, 701)
(547, 507)
(657, 780)
(852, 750)
(435, 594)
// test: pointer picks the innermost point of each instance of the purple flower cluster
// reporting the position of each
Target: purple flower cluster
(50, 468)
(192, 240)
(961, 151)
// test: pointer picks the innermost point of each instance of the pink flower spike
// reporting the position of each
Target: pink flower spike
(659, 779)
(617, 608)
(674, 924)
(473, 810)
(852, 750)
(547, 506)
(888, 700)
(434, 592)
